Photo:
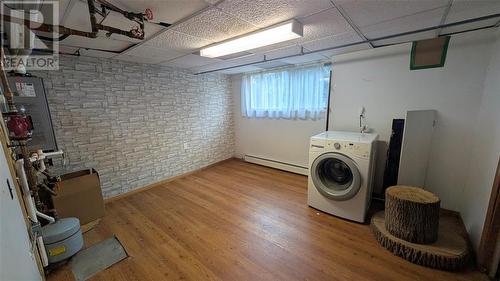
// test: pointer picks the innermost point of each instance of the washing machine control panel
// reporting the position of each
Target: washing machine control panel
(357, 149)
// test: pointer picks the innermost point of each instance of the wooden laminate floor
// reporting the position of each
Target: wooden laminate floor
(239, 221)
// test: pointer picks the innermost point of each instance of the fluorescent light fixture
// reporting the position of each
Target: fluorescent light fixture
(279, 33)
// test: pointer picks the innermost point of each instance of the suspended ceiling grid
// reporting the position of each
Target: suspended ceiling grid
(197, 23)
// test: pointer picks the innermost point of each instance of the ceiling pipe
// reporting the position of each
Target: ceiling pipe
(440, 26)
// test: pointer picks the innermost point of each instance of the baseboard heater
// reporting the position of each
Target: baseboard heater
(276, 164)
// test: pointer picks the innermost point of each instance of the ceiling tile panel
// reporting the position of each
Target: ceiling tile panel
(324, 24)
(189, 61)
(406, 39)
(365, 13)
(96, 54)
(214, 25)
(242, 69)
(229, 63)
(351, 49)
(168, 11)
(332, 41)
(136, 59)
(263, 13)
(467, 9)
(468, 26)
(103, 43)
(161, 55)
(403, 24)
(272, 64)
(287, 51)
(177, 41)
(305, 58)
(68, 49)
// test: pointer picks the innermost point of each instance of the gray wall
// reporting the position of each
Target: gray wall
(131, 121)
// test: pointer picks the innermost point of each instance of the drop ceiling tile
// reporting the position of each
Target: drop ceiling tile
(255, 58)
(168, 11)
(119, 21)
(161, 55)
(279, 53)
(177, 41)
(96, 54)
(102, 43)
(272, 64)
(235, 55)
(406, 39)
(263, 13)
(75, 18)
(305, 58)
(326, 23)
(213, 2)
(469, 26)
(278, 46)
(68, 49)
(136, 59)
(323, 24)
(467, 9)
(242, 69)
(332, 41)
(365, 13)
(351, 49)
(403, 24)
(214, 25)
(189, 61)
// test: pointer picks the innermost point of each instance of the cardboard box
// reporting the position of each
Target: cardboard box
(79, 195)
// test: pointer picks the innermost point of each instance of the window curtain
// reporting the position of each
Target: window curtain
(290, 93)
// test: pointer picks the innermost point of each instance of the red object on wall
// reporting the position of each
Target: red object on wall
(19, 126)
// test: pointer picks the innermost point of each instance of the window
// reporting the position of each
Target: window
(287, 93)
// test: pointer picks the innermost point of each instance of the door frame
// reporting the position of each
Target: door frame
(489, 247)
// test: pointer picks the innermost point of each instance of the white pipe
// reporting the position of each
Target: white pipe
(51, 154)
(44, 216)
(31, 208)
(40, 155)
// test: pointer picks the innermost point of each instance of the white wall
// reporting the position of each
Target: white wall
(485, 152)
(465, 93)
(380, 80)
(277, 139)
(17, 260)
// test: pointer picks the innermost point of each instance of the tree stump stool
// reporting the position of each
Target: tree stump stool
(412, 214)
(413, 228)
(449, 252)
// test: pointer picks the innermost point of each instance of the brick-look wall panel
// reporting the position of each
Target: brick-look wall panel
(130, 121)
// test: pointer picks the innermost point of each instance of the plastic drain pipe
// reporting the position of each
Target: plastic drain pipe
(32, 211)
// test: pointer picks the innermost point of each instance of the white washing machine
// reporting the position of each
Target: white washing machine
(341, 171)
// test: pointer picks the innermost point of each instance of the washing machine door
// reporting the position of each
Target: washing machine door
(336, 176)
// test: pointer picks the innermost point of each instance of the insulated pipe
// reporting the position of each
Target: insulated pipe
(32, 211)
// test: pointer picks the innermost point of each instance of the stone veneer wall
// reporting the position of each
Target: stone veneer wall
(131, 121)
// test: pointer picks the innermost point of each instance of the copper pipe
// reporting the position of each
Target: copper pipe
(49, 27)
(30, 173)
(5, 83)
